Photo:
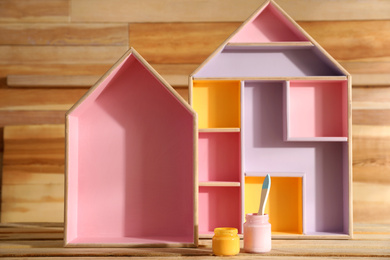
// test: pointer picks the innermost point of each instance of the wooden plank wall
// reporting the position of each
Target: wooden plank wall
(51, 52)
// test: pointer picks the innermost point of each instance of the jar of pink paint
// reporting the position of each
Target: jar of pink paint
(257, 234)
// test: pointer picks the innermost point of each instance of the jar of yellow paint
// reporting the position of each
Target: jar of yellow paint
(226, 241)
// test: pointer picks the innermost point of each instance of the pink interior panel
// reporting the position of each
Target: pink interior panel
(72, 181)
(318, 109)
(219, 157)
(269, 26)
(259, 61)
(219, 207)
(132, 162)
(322, 162)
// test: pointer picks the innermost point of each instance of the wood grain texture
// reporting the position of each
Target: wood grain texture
(12, 117)
(328, 10)
(352, 40)
(64, 34)
(60, 54)
(72, 40)
(161, 11)
(371, 166)
(39, 241)
(33, 173)
(222, 10)
(39, 99)
(180, 42)
(34, 11)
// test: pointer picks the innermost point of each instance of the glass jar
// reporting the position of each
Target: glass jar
(226, 241)
(257, 233)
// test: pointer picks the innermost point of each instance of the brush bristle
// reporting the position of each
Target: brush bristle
(266, 182)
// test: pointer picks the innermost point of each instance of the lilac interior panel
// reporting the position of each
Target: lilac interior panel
(322, 162)
(235, 62)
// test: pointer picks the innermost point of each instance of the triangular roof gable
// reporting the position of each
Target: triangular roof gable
(250, 34)
(102, 83)
(268, 25)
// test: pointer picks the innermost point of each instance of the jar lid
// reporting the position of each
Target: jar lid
(225, 231)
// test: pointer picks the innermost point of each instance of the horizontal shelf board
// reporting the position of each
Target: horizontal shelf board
(273, 78)
(274, 174)
(316, 236)
(219, 184)
(219, 130)
(268, 44)
(317, 139)
(128, 241)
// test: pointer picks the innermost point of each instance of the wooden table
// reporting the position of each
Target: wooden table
(44, 241)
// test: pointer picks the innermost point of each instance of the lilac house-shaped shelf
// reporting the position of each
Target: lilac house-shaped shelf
(271, 100)
(130, 150)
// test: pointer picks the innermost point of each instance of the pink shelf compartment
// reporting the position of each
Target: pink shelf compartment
(316, 110)
(130, 163)
(270, 25)
(219, 156)
(218, 207)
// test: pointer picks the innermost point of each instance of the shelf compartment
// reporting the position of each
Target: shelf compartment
(316, 110)
(219, 157)
(217, 103)
(218, 207)
(121, 146)
(270, 25)
(285, 202)
(326, 164)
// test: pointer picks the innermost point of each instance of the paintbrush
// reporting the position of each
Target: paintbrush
(264, 194)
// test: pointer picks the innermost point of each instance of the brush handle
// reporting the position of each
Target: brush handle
(264, 194)
(263, 201)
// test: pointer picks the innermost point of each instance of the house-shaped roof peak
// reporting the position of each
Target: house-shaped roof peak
(268, 24)
(130, 153)
(269, 44)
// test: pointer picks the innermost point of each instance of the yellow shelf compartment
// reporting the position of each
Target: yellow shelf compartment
(217, 103)
(284, 205)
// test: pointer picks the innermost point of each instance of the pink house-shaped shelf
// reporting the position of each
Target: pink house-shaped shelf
(271, 100)
(131, 144)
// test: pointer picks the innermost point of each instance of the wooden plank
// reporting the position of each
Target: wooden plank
(371, 79)
(371, 117)
(285, 248)
(321, 10)
(222, 10)
(367, 94)
(366, 67)
(371, 202)
(61, 54)
(33, 173)
(180, 42)
(63, 34)
(31, 117)
(161, 11)
(52, 69)
(52, 80)
(34, 11)
(371, 181)
(352, 40)
(371, 154)
(68, 81)
(39, 99)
